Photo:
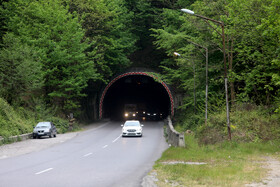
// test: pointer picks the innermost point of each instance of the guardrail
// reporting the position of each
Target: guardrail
(17, 138)
(173, 137)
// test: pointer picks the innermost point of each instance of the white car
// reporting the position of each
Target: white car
(132, 128)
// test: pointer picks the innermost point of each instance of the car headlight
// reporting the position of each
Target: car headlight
(133, 115)
(126, 114)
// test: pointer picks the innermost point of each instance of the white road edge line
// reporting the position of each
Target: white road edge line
(105, 146)
(116, 139)
(87, 154)
(43, 171)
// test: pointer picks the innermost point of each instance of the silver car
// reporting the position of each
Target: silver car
(132, 128)
(44, 129)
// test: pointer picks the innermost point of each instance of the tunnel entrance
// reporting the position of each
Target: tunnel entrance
(136, 95)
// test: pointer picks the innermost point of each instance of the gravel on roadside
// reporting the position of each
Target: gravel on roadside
(32, 145)
(273, 177)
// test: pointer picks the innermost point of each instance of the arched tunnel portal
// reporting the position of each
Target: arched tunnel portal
(142, 93)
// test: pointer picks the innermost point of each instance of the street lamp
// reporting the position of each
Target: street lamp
(176, 54)
(206, 74)
(224, 53)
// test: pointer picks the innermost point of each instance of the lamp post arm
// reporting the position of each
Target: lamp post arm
(199, 46)
(209, 19)
(206, 21)
(196, 44)
(225, 62)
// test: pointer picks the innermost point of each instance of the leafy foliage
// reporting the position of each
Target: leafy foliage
(56, 37)
(54, 53)
(17, 120)
(252, 49)
(108, 28)
(249, 123)
(12, 122)
(20, 70)
(61, 125)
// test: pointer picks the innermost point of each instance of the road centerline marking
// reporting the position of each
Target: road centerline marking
(46, 170)
(105, 146)
(116, 139)
(87, 154)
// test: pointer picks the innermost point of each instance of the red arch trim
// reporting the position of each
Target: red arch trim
(135, 73)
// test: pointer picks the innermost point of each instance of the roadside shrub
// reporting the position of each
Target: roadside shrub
(254, 123)
(249, 123)
(21, 120)
(62, 125)
(12, 122)
(186, 120)
(210, 135)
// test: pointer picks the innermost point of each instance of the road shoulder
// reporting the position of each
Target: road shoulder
(34, 145)
(273, 177)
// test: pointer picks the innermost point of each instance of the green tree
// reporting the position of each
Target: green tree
(252, 47)
(270, 29)
(58, 38)
(21, 74)
(108, 28)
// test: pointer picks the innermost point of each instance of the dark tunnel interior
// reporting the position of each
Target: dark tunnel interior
(136, 97)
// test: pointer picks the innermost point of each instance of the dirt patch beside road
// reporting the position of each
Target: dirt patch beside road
(273, 177)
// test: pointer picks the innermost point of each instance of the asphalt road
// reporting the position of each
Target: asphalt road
(96, 157)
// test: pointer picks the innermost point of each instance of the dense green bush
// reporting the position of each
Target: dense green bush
(13, 122)
(185, 119)
(17, 121)
(249, 123)
(62, 125)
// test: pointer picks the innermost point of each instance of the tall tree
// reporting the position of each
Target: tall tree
(255, 51)
(108, 28)
(107, 25)
(58, 38)
(252, 38)
(21, 76)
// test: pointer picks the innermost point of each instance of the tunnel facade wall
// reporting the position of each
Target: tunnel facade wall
(149, 74)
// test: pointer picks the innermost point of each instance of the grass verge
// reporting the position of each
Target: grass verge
(228, 164)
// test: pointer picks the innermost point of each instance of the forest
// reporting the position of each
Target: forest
(56, 53)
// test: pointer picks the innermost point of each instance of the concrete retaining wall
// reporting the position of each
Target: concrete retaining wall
(18, 138)
(174, 138)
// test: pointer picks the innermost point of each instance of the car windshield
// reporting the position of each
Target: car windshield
(43, 125)
(132, 123)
